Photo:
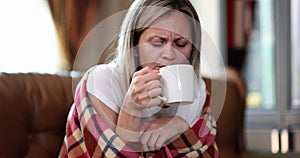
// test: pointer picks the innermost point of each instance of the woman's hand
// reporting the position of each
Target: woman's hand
(143, 91)
(156, 133)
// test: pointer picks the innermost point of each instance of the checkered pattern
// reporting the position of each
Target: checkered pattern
(88, 136)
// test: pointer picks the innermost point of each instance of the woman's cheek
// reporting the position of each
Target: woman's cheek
(149, 55)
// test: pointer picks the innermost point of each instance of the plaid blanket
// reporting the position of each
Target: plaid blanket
(88, 136)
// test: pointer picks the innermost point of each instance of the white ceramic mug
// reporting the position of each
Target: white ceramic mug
(177, 83)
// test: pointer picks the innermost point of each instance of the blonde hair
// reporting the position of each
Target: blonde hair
(139, 16)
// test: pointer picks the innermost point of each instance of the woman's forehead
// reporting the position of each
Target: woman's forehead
(165, 33)
(175, 22)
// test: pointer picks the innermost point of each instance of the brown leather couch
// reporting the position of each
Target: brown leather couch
(34, 108)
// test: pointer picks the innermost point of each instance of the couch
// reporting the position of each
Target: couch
(34, 108)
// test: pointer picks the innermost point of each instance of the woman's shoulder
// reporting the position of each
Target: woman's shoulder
(104, 76)
(105, 69)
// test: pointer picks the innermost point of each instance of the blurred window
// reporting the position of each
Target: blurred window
(259, 65)
(295, 57)
(28, 38)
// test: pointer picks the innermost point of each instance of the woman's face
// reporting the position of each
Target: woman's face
(166, 41)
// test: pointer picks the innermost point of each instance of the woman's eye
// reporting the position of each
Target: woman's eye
(157, 43)
(180, 44)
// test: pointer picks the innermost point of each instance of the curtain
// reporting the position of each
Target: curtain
(73, 20)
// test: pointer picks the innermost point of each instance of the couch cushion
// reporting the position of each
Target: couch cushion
(33, 111)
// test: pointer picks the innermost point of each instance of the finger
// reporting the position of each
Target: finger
(145, 97)
(153, 65)
(145, 80)
(144, 139)
(145, 148)
(152, 76)
(146, 128)
(146, 102)
(149, 90)
(152, 140)
(144, 71)
(154, 92)
(138, 86)
(150, 135)
(153, 84)
(155, 102)
(160, 141)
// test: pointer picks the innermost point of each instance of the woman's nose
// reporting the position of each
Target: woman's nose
(169, 53)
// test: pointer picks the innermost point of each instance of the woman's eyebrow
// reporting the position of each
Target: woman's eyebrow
(154, 35)
(179, 37)
(165, 36)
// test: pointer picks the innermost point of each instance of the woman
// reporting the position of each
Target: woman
(126, 115)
